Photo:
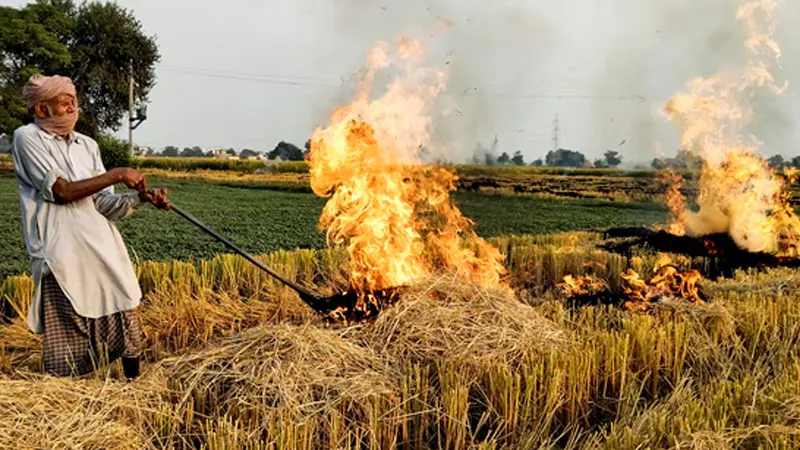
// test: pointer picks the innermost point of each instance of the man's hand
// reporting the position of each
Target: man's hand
(70, 191)
(131, 177)
(158, 197)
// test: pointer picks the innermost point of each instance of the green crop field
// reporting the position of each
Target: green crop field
(265, 220)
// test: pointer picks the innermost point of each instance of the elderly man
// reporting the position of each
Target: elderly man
(86, 290)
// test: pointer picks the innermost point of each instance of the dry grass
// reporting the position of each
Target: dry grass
(235, 361)
(442, 320)
(43, 412)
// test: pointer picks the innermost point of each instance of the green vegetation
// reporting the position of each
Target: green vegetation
(191, 164)
(264, 220)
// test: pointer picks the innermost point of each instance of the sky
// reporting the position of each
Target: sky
(250, 73)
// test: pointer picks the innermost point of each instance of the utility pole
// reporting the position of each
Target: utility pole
(130, 111)
(141, 113)
(556, 131)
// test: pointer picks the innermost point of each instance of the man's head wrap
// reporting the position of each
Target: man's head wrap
(41, 89)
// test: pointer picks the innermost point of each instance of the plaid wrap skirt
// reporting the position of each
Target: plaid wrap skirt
(76, 345)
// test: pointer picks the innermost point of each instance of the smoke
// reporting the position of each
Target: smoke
(671, 42)
(489, 53)
(607, 71)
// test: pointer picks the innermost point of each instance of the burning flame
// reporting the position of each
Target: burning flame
(739, 193)
(393, 214)
(580, 286)
(676, 202)
(639, 295)
(667, 283)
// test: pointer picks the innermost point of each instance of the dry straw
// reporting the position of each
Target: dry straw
(443, 319)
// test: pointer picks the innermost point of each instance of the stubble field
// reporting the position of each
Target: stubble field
(235, 361)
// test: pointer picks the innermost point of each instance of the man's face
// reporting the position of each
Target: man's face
(57, 106)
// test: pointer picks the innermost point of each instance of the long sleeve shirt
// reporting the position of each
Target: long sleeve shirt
(77, 242)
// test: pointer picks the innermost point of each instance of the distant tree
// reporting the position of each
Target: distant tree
(565, 158)
(93, 43)
(230, 152)
(600, 163)
(776, 162)
(209, 154)
(518, 159)
(504, 159)
(796, 162)
(247, 153)
(195, 152)
(612, 158)
(170, 150)
(482, 155)
(538, 163)
(688, 160)
(684, 160)
(286, 151)
(114, 152)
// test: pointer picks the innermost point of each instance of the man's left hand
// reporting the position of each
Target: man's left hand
(158, 197)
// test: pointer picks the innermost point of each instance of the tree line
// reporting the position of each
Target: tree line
(285, 151)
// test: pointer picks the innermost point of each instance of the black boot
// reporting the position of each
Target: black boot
(130, 366)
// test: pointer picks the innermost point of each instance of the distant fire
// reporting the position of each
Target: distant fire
(740, 195)
(676, 202)
(393, 214)
(582, 286)
(639, 295)
(666, 283)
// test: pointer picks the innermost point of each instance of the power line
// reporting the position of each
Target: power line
(308, 82)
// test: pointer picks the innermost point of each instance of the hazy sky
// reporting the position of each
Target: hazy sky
(249, 73)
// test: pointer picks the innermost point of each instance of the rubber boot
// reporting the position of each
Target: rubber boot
(130, 366)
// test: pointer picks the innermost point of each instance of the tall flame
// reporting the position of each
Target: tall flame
(393, 214)
(676, 202)
(739, 193)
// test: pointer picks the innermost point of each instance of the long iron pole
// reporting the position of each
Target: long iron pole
(298, 288)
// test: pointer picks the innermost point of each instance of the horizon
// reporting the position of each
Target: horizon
(512, 70)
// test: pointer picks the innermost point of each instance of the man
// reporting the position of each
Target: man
(86, 290)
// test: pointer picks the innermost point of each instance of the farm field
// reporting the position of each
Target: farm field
(261, 219)
(236, 362)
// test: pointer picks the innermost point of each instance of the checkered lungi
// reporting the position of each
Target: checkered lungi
(76, 345)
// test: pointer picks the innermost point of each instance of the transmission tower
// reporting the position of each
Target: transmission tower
(556, 131)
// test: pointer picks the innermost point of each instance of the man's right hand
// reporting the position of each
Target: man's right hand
(69, 191)
(131, 177)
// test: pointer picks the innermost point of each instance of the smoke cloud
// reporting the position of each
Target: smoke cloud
(623, 60)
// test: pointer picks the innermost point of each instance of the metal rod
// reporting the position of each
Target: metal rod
(298, 288)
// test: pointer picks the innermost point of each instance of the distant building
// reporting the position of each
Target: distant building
(143, 152)
(224, 153)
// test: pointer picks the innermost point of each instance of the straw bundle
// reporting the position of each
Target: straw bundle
(443, 319)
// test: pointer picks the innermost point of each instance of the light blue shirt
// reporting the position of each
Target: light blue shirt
(77, 242)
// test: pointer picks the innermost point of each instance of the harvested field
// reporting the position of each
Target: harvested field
(264, 220)
(236, 361)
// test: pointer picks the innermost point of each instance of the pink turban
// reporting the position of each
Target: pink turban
(40, 88)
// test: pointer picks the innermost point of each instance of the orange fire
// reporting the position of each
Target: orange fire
(393, 214)
(667, 283)
(639, 295)
(739, 193)
(676, 202)
(579, 286)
